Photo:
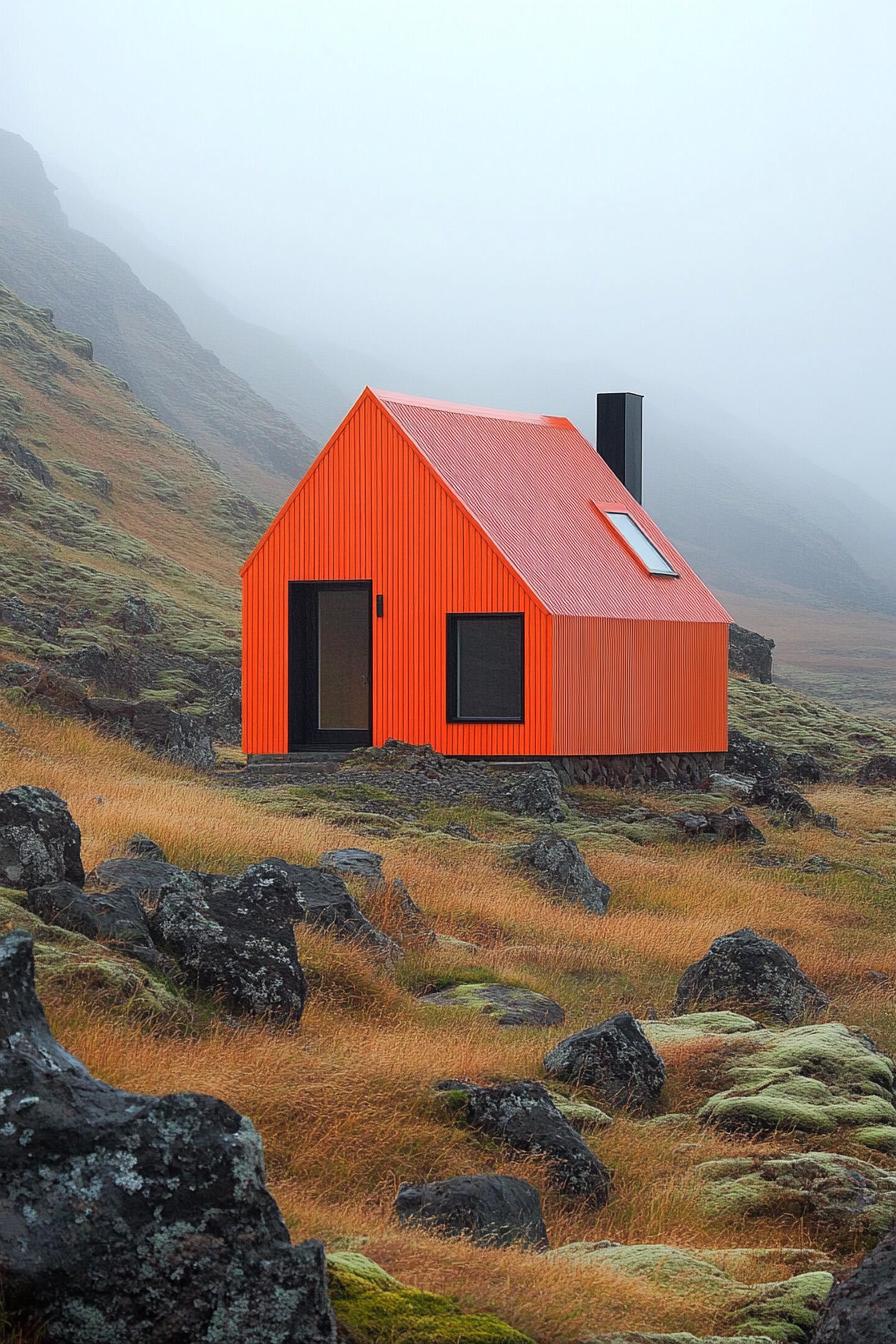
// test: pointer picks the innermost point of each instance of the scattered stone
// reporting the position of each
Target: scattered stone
(840, 1193)
(229, 936)
(143, 847)
(783, 799)
(362, 863)
(862, 1308)
(370, 1307)
(616, 1060)
(136, 616)
(136, 1217)
(523, 1116)
(508, 1005)
(733, 824)
(817, 1079)
(751, 756)
(318, 897)
(39, 841)
(879, 770)
(448, 943)
(491, 1210)
(803, 767)
(114, 917)
(558, 866)
(751, 972)
(816, 863)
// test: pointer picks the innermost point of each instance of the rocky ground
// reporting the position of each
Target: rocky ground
(527, 1064)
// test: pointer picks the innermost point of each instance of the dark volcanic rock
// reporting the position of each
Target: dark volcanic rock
(229, 936)
(136, 616)
(879, 770)
(751, 756)
(559, 867)
(136, 1218)
(111, 671)
(39, 841)
(523, 1116)
(750, 973)
(803, 767)
(491, 1210)
(183, 738)
(25, 458)
(312, 896)
(862, 1308)
(40, 621)
(784, 800)
(143, 847)
(361, 863)
(113, 917)
(750, 654)
(614, 1058)
(732, 825)
(508, 1005)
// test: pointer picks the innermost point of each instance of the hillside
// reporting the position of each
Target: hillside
(704, 1230)
(92, 291)
(103, 505)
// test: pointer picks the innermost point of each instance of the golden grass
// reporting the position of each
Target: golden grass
(344, 1103)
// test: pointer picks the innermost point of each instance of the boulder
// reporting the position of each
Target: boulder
(524, 1118)
(750, 654)
(490, 1210)
(318, 897)
(747, 971)
(750, 756)
(616, 1060)
(362, 863)
(803, 768)
(39, 841)
(733, 825)
(508, 1005)
(142, 847)
(784, 800)
(136, 616)
(878, 770)
(735, 786)
(558, 866)
(229, 936)
(841, 1195)
(113, 917)
(862, 1308)
(136, 1217)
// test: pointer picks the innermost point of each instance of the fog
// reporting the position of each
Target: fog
(503, 200)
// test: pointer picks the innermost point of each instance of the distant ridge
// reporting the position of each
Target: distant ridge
(136, 334)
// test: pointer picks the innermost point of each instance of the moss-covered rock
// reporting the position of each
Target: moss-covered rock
(580, 1114)
(373, 1308)
(68, 963)
(782, 1311)
(839, 1193)
(508, 1005)
(880, 1137)
(817, 1078)
(691, 1026)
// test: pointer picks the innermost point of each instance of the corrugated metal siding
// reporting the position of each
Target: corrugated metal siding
(626, 687)
(529, 481)
(372, 508)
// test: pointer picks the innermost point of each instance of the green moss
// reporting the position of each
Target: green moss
(373, 1308)
(815, 1078)
(580, 1114)
(690, 1026)
(793, 722)
(67, 963)
(880, 1137)
(785, 1311)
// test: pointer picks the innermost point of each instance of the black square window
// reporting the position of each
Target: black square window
(485, 668)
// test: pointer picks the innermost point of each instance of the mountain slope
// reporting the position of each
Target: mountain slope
(93, 292)
(104, 507)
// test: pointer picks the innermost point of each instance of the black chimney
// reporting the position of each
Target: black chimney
(618, 437)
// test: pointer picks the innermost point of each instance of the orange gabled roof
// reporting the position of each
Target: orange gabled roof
(536, 487)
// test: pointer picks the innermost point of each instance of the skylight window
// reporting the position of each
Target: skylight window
(652, 559)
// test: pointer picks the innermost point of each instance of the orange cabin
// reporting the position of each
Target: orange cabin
(483, 582)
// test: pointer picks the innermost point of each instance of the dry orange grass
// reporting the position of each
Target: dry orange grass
(344, 1103)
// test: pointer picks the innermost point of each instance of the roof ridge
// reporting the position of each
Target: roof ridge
(459, 408)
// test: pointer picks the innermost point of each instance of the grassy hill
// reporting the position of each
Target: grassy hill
(92, 291)
(101, 502)
(344, 1101)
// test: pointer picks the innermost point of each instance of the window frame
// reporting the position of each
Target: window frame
(605, 510)
(453, 619)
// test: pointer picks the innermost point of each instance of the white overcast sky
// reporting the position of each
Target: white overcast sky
(687, 195)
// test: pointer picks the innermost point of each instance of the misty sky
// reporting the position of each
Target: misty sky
(694, 200)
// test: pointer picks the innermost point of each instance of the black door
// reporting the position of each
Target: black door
(329, 665)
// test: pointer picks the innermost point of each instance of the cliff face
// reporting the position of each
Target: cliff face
(92, 291)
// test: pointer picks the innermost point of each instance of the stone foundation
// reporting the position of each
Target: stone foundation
(619, 772)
